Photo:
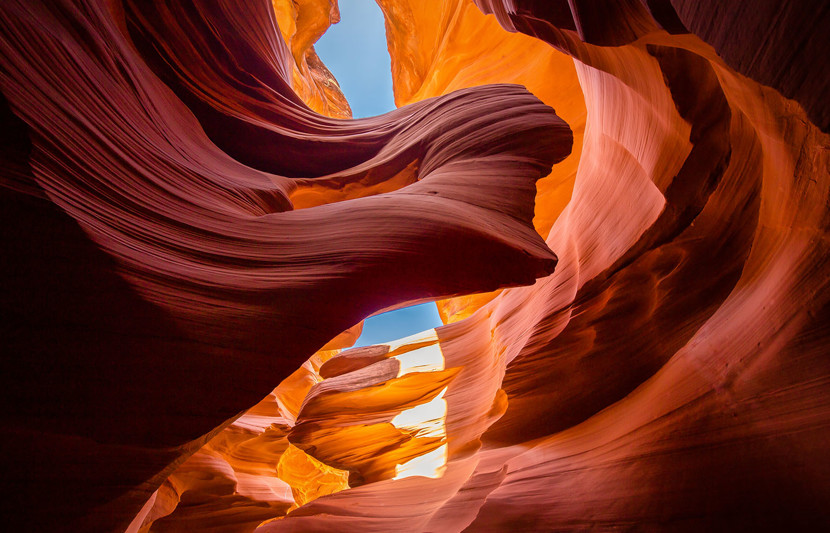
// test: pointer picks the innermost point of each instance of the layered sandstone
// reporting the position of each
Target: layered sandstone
(184, 232)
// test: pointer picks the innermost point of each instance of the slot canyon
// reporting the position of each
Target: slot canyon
(620, 208)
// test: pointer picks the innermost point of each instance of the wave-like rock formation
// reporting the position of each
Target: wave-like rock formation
(192, 226)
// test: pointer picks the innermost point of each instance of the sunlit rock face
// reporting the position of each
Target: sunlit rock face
(191, 230)
(301, 24)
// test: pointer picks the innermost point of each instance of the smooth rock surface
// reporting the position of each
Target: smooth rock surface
(192, 227)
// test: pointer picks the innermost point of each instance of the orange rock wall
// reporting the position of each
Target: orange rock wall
(187, 232)
(163, 282)
(301, 24)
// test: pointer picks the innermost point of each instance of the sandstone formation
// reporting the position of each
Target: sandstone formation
(192, 226)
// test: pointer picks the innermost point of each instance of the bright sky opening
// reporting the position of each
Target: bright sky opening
(355, 51)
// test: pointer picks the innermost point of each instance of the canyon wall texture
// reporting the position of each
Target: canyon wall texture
(634, 286)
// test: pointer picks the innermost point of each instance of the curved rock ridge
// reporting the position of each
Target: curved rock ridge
(186, 230)
(775, 43)
(672, 373)
(161, 282)
(440, 47)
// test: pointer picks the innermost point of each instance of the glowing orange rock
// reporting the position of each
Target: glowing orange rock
(177, 236)
(152, 153)
(308, 477)
(301, 24)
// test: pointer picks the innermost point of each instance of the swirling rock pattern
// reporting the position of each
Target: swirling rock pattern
(188, 222)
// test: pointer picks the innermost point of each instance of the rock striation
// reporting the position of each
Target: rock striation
(192, 226)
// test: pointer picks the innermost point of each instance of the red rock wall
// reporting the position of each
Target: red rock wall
(182, 233)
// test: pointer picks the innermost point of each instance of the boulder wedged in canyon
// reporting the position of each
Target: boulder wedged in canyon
(183, 230)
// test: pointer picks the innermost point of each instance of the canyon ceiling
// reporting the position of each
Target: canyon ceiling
(621, 208)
